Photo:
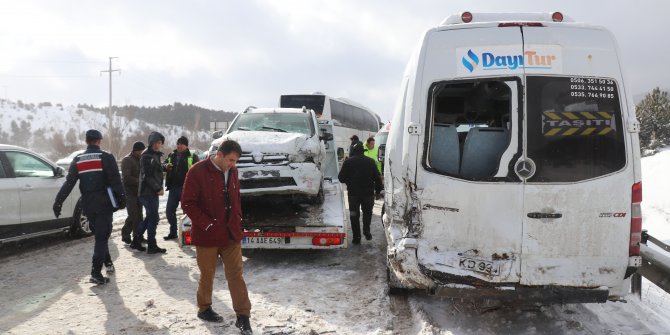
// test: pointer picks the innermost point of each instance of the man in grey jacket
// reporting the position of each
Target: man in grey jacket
(151, 187)
(130, 173)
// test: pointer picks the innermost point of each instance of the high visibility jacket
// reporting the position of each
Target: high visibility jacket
(181, 163)
(372, 153)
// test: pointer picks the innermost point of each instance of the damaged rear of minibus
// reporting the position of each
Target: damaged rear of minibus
(512, 170)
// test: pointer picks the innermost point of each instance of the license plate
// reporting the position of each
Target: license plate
(479, 265)
(264, 240)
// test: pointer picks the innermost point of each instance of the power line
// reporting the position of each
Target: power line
(44, 76)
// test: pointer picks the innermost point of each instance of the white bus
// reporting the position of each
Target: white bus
(349, 118)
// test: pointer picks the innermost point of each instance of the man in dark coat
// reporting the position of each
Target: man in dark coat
(151, 187)
(130, 173)
(101, 195)
(178, 163)
(364, 183)
(211, 199)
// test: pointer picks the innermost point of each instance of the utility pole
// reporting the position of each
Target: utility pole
(110, 122)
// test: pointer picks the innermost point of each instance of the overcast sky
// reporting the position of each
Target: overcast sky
(232, 54)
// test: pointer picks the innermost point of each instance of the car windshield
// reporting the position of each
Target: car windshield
(274, 122)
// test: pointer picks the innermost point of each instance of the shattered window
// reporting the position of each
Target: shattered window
(470, 127)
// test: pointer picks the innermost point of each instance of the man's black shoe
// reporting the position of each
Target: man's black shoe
(243, 325)
(98, 279)
(152, 248)
(143, 240)
(210, 315)
(127, 239)
(137, 245)
(356, 241)
(110, 267)
(368, 236)
(170, 237)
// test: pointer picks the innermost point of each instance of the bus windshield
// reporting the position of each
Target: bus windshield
(274, 122)
(313, 102)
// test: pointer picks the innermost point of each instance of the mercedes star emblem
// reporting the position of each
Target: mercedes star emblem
(525, 168)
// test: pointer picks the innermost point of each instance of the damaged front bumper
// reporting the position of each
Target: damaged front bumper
(292, 178)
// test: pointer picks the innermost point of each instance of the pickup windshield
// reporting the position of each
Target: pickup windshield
(275, 122)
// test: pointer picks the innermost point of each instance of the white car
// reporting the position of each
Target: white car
(283, 152)
(28, 186)
(65, 162)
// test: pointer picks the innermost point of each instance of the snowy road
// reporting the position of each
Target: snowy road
(46, 291)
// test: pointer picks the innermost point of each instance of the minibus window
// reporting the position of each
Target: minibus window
(470, 127)
(575, 129)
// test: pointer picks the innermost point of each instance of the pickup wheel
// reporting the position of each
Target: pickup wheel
(80, 226)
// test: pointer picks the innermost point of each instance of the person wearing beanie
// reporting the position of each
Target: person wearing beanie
(364, 184)
(150, 188)
(177, 164)
(100, 186)
(354, 139)
(130, 171)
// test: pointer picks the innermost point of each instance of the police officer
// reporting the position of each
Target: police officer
(101, 189)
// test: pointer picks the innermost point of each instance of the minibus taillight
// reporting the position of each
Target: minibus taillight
(635, 221)
(557, 17)
(466, 17)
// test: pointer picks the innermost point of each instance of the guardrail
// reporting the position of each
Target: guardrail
(655, 265)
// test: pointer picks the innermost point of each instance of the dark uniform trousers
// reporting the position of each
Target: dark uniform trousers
(101, 226)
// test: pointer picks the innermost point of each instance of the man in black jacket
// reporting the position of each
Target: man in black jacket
(100, 186)
(177, 164)
(151, 187)
(364, 183)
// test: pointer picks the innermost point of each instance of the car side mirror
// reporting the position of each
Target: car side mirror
(217, 134)
(59, 172)
(326, 137)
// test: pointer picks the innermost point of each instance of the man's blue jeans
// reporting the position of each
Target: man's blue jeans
(150, 203)
(171, 208)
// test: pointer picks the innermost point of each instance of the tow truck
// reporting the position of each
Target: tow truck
(278, 221)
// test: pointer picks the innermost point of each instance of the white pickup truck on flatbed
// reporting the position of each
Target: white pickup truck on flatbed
(292, 200)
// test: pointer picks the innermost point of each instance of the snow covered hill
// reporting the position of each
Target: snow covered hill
(57, 130)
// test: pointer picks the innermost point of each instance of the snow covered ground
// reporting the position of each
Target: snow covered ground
(46, 291)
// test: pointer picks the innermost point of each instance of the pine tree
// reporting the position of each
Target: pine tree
(653, 112)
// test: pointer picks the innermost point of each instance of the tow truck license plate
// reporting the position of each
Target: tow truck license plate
(264, 240)
(478, 265)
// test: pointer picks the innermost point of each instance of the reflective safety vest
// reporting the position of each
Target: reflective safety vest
(372, 153)
(189, 160)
